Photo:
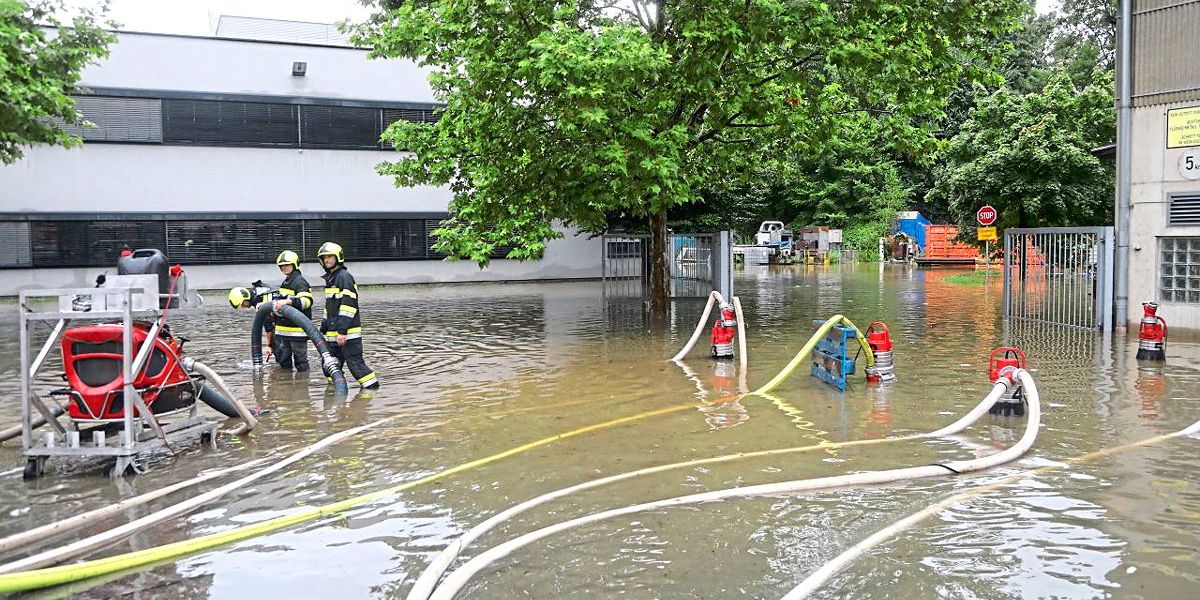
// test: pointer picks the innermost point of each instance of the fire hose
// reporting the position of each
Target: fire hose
(329, 364)
(221, 398)
(808, 348)
(819, 577)
(428, 579)
(13, 580)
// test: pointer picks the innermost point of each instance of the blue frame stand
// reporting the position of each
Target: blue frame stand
(831, 360)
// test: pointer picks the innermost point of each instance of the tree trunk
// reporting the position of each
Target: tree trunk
(660, 274)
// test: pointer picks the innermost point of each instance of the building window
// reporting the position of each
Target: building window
(1179, 270)
(340, 127)
(213, 122)
(89, 243)
(119, 119)
(228, 242)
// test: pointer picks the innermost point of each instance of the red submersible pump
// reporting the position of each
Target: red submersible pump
(879, 338)
(724, 328)
(1003, 359)
(1152, 334)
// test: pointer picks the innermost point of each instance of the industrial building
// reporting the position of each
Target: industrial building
(224, 150)
(1163, 167)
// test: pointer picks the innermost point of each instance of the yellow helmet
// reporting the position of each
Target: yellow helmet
(287, 257)
(331, 249)
(238, 295)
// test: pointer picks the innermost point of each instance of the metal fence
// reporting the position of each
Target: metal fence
(699, 263)
(1059, 275)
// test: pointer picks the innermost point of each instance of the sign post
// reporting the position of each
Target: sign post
(987, 216)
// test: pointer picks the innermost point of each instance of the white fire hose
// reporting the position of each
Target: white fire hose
(458, 578)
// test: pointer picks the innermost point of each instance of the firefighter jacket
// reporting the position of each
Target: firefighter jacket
(296, 287)
(341, 305)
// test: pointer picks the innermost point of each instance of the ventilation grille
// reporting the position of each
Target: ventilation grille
(1184, 209)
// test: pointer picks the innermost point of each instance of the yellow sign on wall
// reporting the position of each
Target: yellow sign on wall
(986, 234)
(1183, 127)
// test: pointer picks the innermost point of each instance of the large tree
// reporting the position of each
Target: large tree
(569, 111)
(40, 63)
(1030, 157)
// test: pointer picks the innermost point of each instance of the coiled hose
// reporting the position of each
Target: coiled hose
(329, 364)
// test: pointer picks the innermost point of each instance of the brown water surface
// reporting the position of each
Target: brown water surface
(477, 369)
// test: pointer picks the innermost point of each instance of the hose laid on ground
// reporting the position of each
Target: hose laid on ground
(713, 298)
(15, 430)
(329, 364)
(12, 580)
(819, 577)
(457, 579)
(741, 334)
(221, 397)
(428, 579)
(812, 343)
(72, 523)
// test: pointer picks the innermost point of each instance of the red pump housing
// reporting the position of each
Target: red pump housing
(1152, 334)
(879, 338)
(723, 330)
(1008, 357)
(92, 358)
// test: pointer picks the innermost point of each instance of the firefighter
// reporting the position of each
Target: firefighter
(292, 349)
(242, 297)
(342, 324)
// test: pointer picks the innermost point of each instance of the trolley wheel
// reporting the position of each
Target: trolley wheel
(33, 469)
(206, 438)
(130, 469)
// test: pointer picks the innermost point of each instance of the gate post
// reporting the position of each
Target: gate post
(1106, 283)
(722, 263)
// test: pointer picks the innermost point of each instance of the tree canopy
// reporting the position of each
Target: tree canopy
(573, 111)
(1030, 156)
(39, 69)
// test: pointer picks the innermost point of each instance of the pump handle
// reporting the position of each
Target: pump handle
(871, 327)
(1006, 351)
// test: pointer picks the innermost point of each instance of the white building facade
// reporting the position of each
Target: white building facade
(223, 152)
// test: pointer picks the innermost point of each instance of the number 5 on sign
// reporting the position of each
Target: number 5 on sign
(987, 234)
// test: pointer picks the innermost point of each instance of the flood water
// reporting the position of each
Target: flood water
(478, 369)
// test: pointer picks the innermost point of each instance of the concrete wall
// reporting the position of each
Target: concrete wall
(1154, 173)
(180, 63)
(572, 257)
(153, 178)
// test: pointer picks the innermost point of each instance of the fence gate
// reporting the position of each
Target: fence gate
(699, 263)
(1059, 275)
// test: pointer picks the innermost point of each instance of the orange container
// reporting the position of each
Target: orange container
(939, 243)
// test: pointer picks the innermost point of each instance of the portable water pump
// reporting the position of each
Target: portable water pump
(879, 338)
(1152, 334)
(724, 328)
(1001, 360)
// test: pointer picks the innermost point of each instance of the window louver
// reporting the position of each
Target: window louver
(1184, 209)
(15, 237)
(229, 123)
(340, 127)
(119, 119)
(228, 242)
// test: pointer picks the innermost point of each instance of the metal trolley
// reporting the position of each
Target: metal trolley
(123, 440)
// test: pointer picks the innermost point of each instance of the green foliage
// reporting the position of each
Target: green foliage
(39, 69)
(1030, 157)
(975, 278)
(576, 111)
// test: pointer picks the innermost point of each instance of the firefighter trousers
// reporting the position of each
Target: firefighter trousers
(351, 356)
(291, 352)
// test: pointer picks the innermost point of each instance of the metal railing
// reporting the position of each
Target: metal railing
(1059, 275)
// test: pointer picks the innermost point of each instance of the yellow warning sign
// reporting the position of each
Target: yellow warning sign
(1183, 127)
(987, 234)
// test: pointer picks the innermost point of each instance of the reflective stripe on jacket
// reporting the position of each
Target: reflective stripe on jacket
(341, 304)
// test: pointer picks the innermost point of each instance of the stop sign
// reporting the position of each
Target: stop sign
(986, 215)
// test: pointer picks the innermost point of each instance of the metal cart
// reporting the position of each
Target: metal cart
(123, 440)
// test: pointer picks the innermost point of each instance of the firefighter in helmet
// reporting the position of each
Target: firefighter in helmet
(342, 324)
(292, 348)
(243, 297)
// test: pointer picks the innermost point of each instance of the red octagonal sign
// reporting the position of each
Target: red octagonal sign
(987, 215)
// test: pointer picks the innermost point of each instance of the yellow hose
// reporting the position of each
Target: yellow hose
(808, 348)
(40, 578)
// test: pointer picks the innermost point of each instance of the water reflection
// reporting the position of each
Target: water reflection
(490, 367)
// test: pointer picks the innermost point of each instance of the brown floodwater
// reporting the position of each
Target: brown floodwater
(477, 369)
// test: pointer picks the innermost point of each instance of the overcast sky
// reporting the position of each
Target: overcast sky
(199, 17)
